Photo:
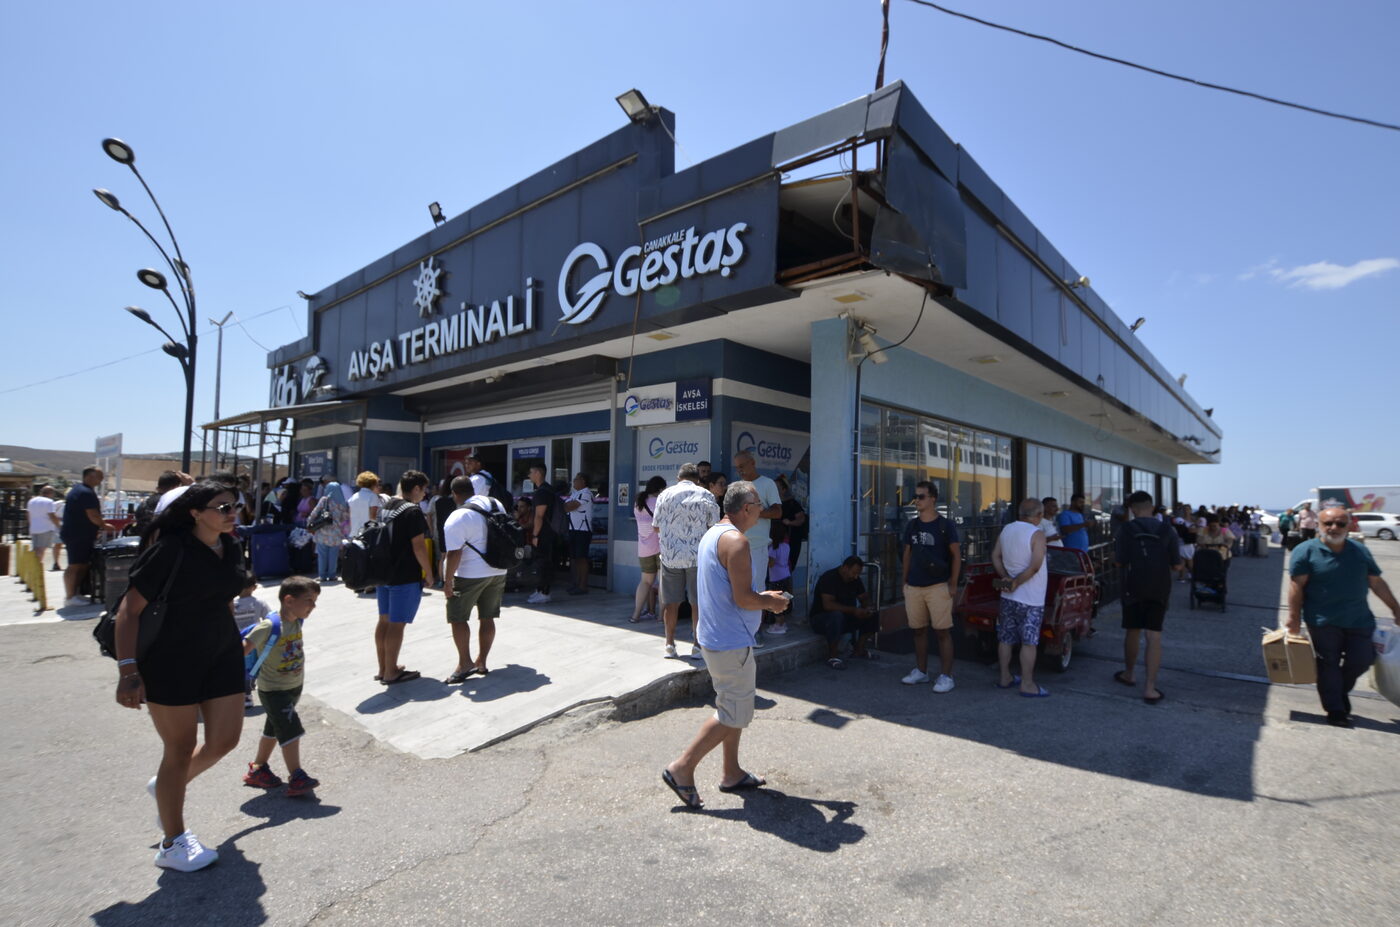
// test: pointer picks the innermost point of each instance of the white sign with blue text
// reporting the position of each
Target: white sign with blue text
(662, 449)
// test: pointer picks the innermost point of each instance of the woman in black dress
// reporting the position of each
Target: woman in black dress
(194, 665)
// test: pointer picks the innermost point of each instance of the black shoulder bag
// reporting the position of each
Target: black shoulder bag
(150, 620)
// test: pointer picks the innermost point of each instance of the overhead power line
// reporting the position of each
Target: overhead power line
(1160, 73)
(122, 360)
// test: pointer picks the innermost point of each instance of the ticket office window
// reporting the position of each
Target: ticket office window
(1049, 472)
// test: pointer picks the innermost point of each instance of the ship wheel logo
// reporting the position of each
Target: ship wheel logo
(427, 288)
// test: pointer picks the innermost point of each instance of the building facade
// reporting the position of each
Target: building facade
(852, 297)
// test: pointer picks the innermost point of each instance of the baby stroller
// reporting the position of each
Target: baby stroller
(1208, 577)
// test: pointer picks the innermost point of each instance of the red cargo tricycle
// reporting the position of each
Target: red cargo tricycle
(1071, 601)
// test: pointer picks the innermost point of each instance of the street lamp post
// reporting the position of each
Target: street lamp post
(218, 380)
(184, 352)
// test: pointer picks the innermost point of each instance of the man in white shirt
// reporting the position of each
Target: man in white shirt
(579, 506)
(772, 507)
(684, 512)
(475, 583)
(43, 522)
(481, 480)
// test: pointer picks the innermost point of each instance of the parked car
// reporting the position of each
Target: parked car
(1381, 525)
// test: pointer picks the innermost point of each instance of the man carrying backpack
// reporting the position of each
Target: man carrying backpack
(474, 536)
(1147, 550)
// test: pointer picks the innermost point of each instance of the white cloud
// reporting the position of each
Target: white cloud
(1267, 267)
(1324, 275)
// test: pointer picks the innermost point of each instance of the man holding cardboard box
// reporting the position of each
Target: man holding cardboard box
(1329, 578)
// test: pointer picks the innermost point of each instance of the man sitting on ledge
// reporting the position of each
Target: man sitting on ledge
(841, 609)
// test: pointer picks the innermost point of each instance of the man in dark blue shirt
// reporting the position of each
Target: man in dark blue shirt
(932, 561)
(82, 520)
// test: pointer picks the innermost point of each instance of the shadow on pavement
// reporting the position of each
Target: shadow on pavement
(507, 680)
(422, 689)
(1304, 717)
(812, 823)
(1091, 722)
(231, 887)
(278, 809)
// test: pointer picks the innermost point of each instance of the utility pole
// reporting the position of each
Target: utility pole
(218, 382)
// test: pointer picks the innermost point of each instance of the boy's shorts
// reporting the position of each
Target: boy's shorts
(283, 722)
(484, 594)
(400, 602)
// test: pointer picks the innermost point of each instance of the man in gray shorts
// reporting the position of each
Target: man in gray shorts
(730, 612)
(684, 512)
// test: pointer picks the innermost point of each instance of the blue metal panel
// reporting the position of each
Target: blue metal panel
(981, 291)
(1013, 289)
(918, 125)
(975, 180)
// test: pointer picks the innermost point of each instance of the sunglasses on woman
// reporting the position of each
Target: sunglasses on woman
(224, 509)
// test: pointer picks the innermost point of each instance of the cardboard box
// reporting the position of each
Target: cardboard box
(1289, 659)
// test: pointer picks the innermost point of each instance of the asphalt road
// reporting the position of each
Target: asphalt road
(1228, 803)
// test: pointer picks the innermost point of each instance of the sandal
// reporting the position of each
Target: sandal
(1118, 678)
(1040, 692)
(750, 781)
(405, 676)
(836, 663)
(460, 676)
(686, 793)
(1152, 701)
(1015, 681)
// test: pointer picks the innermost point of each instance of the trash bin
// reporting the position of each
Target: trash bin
(267, 549)
(111, 565)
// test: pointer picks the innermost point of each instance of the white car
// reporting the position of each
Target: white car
(1381, 525)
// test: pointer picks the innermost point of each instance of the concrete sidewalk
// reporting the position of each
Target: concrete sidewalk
(545, 661)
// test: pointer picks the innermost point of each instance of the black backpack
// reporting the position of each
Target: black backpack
(367, 558)
(505, 542)
(1147, 574)
(498, 491)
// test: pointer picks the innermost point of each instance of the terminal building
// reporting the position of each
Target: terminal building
(852, 297)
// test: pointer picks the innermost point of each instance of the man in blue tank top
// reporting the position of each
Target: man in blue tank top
(730, 612)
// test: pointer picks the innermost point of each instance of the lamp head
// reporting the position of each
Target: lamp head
(141, 314)
(152, 278)
(176, 351)
(119, 151)
(435, 210)
(1077, 283)
(635, 106)
(1138, 324)
(108, 198)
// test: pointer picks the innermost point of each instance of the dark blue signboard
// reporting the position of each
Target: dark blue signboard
(692, 400)
(316, 464)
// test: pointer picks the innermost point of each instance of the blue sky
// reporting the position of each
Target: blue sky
(292, 143)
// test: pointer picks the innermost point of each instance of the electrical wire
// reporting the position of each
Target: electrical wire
(922, 305)
(122, 360)
(1160, 73)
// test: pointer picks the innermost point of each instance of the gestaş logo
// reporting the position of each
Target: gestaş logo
(630, 406)
(763, 451)
(656, 448)
(677, 256)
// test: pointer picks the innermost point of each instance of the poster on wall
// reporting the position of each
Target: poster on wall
(661, 449)
(664, 403)
(777, 452)
(454, 462)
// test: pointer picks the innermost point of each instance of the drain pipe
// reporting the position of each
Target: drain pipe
(855, 447)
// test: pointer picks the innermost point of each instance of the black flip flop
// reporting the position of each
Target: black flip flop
(1118, 678)
(686, 793)
(460, 676)
(405, 676)
(1152, 701)
(750, 781)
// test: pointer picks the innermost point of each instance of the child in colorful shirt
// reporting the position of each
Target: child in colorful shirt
(279, 682)
(248, 610)
(779, 572)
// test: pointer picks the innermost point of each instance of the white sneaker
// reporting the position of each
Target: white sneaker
(915, 677)
(537, 598)
(185, 854)
(151, 791)
(696, 653)
(77, 601)
(943, 683)
(671, 652)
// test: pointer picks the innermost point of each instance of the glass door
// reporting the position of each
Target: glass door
(592, 456)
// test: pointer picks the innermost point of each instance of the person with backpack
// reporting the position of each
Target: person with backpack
(274, 657)
(579, 507)
(187, 667)
(550, 524)
(1146, 550)
(408, 570)
(482, 542)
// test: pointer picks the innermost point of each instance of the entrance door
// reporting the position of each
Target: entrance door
(592, 455)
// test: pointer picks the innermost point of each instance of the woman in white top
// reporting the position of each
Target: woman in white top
(364, 504)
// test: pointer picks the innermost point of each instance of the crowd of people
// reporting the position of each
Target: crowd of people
(192, 637)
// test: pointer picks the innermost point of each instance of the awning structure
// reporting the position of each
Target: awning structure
(276, 412)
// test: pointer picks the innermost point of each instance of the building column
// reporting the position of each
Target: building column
(831, 489)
